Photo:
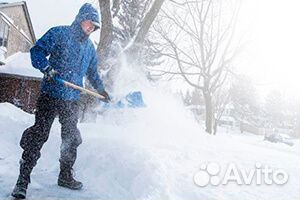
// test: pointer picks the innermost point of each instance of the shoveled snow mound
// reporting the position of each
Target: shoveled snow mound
(149, 153)
(20, 64)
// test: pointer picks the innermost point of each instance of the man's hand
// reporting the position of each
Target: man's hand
(106, 96)
(50, 73)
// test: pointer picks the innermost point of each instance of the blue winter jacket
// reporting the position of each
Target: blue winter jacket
(71, 53)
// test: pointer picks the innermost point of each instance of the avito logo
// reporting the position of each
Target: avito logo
(211, 173)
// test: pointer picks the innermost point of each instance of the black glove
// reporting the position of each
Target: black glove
(50, 74)
(106, 96)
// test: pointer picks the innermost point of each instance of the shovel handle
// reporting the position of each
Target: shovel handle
(69, 84)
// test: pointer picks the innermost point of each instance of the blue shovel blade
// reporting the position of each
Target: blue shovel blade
(135, 100)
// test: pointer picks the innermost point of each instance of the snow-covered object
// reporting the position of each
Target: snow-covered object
(279, 138)
(20, 64)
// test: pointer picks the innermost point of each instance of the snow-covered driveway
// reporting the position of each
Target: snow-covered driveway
(142, 154)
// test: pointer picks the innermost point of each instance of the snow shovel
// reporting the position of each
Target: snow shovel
(133, 99)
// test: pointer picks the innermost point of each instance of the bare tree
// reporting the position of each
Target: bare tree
(243, 96)
(221, 100)
(198, 36)
(147, 22)
(139, 35)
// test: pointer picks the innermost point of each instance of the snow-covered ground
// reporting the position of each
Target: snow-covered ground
(148, 153)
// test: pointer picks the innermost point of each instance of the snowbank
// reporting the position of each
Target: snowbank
(20, 64)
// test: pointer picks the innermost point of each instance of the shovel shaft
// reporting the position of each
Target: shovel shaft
(66, 83)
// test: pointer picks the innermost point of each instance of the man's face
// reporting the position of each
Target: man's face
(87, 26)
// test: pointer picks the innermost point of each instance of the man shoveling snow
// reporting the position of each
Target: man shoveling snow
(72, 56)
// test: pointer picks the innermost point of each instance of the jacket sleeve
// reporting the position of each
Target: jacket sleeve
(93, 76)
(43, 48)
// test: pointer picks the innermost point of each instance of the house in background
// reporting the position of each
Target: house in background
(17, 35)
(16, 31)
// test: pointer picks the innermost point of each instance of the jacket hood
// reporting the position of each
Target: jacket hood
(86, 12)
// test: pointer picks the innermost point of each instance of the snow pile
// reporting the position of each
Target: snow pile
(20, 64)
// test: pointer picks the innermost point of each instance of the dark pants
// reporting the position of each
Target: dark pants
(35, 136)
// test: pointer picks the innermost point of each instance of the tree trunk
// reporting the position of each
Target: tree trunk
(215, 127)
(208, 112)
(106, 35)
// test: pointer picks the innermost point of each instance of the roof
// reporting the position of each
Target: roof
(20, 64)
(25, 8)
(17, 76)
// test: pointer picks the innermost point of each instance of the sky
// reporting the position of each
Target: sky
(270, 31)
(46, 14)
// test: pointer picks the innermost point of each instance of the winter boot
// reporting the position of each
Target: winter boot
(66, 179)
(19, 191)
